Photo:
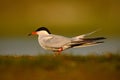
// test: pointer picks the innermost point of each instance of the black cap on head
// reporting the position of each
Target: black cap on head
(43, 29)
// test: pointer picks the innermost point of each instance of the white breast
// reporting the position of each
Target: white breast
(42, 41)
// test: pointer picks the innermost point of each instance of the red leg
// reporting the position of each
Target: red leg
(58, 52)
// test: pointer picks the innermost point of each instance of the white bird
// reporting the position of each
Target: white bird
(58, 43)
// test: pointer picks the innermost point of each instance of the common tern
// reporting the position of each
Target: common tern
(58, 43)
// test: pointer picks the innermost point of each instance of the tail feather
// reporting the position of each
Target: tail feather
(84, 35)
(87, 42)
(93, 39)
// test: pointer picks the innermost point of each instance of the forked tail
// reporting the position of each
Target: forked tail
(87, 42)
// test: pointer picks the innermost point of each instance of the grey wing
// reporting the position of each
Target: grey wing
(56, 41)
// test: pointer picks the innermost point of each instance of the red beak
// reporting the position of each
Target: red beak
(33, 33)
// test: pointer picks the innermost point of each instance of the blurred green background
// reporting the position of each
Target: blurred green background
(65, 17)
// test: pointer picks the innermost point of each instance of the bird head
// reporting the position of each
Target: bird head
(40, 31)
